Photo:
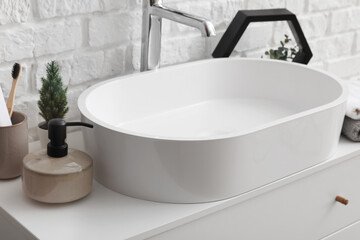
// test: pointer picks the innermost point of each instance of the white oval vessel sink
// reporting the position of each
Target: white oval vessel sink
(212, 129)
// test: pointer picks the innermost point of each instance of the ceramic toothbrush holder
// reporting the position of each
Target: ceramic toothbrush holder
(13, 146)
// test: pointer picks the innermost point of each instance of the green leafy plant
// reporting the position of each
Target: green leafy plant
(53, 100)
(283, 52)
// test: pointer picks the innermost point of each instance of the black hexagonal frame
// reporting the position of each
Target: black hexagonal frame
(242, 20)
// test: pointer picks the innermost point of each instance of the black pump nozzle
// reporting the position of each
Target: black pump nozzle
(57, 147)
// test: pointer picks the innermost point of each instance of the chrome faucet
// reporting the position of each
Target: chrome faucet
(153, 12)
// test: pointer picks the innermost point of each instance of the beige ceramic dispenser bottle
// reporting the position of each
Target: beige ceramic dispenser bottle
(58, 174)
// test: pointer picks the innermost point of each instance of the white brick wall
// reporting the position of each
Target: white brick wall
(94, 40)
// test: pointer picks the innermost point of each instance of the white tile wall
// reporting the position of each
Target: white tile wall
(94, 40)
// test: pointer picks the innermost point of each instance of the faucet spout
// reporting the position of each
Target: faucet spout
(206, 27)
(153, 13)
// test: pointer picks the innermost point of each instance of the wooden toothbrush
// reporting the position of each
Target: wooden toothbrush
(16, 71)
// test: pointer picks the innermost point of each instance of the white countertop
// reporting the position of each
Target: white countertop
(105, 214)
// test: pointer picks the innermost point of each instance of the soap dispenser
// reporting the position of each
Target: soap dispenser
(57, 174)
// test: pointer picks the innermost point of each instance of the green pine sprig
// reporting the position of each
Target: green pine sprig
(53, 100)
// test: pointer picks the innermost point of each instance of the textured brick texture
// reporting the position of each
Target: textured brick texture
(94, 40)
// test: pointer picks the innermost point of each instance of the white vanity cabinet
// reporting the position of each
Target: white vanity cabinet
(304, 209)
(352, 232)
(301, 206)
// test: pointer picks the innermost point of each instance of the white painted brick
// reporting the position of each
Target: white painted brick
(134, 4)
(72, 97)
(176, 50)
(15, 44)
(354, 78)
(170, 51)
(296, 6)
(14, 11)
(345, 19)
(257, 54)
(87, 67)
(193, 48)
(332, 47)
(65, 70)
(218, 12)
(179, 5)
(250, 39)
(128, 63)
(319, 5)
(167, 27)
(46, 8)
(345, 67)
(314, 25)
(55, 37)
(223, 12)
(136, 53)
(115, 4)
(136, 27)
(110, 29)
(264, 4)
(357, 43)
(70, 7)
(317, 65)
(50, 8)
(280, 29)
(114, 62)
(29, 107)
(200, 8)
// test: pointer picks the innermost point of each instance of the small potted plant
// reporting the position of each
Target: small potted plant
(283, 52)
(53, 100)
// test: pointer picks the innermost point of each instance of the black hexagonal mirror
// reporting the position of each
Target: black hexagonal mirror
(242, 20)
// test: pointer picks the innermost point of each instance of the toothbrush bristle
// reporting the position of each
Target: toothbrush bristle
(15, 71)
